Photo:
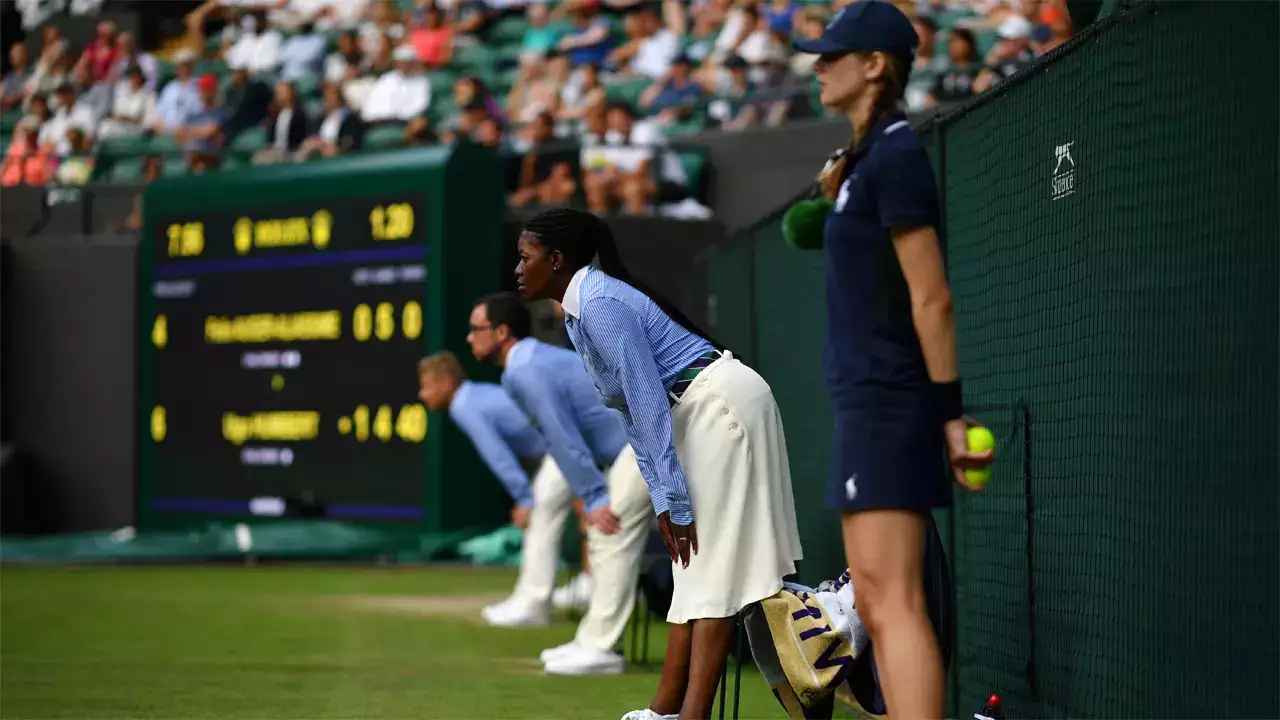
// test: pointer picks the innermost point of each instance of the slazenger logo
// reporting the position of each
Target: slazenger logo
(1064, 171)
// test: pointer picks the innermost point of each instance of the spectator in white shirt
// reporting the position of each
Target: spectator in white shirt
(340, 129)
(383, 26)
(401, 94)
(68, 113)
(302, 55)
(180, 98)
(345, 63)
(649, 49)
(128, 56)
(133, 108)
(634, 168)
(257, 48)
(286, 126)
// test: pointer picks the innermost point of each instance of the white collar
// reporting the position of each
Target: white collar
(519, 353)
(572, 302)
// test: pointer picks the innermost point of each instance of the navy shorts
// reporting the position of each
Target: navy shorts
(889, 455)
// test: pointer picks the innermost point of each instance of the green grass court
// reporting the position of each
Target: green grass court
(293, 642)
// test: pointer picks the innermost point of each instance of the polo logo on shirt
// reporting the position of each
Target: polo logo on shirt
(843, 197)
(1064, 171)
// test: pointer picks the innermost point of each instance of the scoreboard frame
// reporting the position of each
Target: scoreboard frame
(457, 196)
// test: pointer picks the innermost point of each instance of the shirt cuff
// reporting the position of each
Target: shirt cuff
(681, 513)
(595, 499)
(659, 499)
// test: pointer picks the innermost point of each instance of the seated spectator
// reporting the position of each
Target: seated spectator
(286, 126)
(1054, 28)
(338, 131)
(180, 98)
(731, 108)
(537, 89)
(488, 134)
(13, 91)
(468, 89)
(675, 95)
(95, 96)
(302, 54)
(545, 174)
(594, 126)
(1011, 53)
(52, 71)
(356, 90)
(586, 92)
(633, 168)
(431, 38)
(26, 162)
(649, 49)
(927, 32)
(956, 84)
(101, 55)
(708, 19)
(400, 94)
(540, 37)
(247, 99)
(257, 47)
(383, 27)
(471, 20)
(781, 15)
(133, 108)
(465, 121)
(418, 131)
(75, 166)
(127, 56)
(590, 40)
(201, 135)
(38, 112)
(346, 62)
(67, 113)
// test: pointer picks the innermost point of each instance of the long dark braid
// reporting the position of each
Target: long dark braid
(581, 237)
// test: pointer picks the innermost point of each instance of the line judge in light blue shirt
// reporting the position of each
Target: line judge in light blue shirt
(707, 435)
(583, 436)
(512, 449)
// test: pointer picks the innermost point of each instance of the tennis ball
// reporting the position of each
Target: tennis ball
(980, 440)
(802, 224)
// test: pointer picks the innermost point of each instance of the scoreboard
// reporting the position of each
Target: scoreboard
(282, 312)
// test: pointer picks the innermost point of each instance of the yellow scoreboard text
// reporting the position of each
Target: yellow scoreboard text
(277, 425)
(367, 321)
(250, 234)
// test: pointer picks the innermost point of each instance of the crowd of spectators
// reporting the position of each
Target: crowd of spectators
(581, 96)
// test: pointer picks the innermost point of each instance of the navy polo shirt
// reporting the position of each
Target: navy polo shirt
(872, 351)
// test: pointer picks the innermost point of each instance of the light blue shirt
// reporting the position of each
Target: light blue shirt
(501, 433)
(582, 434)
(635, 353)
(302, 55)
(178, 101)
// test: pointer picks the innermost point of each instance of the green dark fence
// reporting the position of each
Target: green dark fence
(1112, 238)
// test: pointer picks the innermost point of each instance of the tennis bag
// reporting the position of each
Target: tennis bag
(810, 643)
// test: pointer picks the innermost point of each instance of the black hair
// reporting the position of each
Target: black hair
(508, 308)
(582, 237)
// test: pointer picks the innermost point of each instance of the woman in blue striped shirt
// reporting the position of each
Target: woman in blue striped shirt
(707, 435)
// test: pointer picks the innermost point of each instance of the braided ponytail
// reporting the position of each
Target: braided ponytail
(887, 97)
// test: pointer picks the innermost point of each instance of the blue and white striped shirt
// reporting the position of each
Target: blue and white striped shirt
(582, 434)
(501, 433)
(635, 352)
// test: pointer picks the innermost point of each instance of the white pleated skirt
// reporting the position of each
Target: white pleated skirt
(730, 443)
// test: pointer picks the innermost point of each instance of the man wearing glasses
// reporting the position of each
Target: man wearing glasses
(589, 445)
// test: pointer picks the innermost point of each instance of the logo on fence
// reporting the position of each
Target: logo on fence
(1064, 171)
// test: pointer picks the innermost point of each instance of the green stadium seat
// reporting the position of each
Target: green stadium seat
(384, 136)
(125, 170)
(314, 108)
(441, 82)
(10, 120)
(175, 166)
(210, 65)
(476, 57)
(248, 142)
(507, 31)
(694, 163)
(695, 123)
(308, 86)
(628, 91)
(125, 145)
(164, 144)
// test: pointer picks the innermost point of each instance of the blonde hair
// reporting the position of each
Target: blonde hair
(442, 364)
(888, 93)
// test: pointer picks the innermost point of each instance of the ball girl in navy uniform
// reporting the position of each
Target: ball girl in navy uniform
(707, 435)
(890, 359)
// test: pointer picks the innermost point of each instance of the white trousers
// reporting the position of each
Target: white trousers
(540, 550)
(615, 559)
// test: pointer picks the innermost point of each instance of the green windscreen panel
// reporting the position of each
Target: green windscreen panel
(282, 312)
(1112, 239)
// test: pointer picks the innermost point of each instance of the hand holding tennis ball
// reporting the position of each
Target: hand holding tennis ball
(971, 448)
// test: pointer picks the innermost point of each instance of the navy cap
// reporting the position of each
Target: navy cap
(864, 26)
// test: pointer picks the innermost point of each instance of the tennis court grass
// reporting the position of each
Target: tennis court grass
(292, 642)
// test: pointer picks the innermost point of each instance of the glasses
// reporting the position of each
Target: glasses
(482, 328)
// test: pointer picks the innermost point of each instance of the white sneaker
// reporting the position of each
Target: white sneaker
(516, 613)
(574, 594)
(648, 714)
(497, 608)
(557, 651)
(586, 661)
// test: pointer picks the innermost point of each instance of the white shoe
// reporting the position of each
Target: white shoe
(495, 609)
(574, 594)
(557, 651)
(586, 661)
(648, 714)
(515, 613)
